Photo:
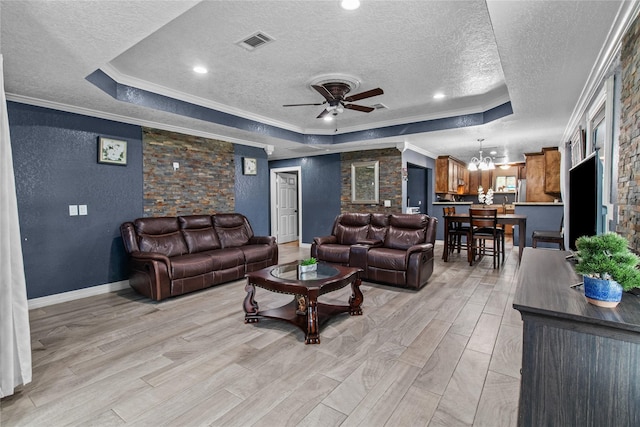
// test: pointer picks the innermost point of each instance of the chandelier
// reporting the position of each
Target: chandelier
(481, 163)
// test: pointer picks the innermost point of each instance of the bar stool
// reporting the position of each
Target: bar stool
(549, 236)
(456, 232)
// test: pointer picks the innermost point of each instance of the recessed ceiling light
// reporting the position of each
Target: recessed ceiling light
(328, 118)
(350, 4)
(493, 153)
(438, 96)
(200, 70)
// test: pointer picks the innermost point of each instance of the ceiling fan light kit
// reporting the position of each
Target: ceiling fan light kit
(336, 99)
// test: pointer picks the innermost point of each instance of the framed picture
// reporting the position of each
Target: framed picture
(112, 151)
(249, 166)
(577, 146)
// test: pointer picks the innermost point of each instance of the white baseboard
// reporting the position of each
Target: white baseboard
(77, 294)
(305, 245)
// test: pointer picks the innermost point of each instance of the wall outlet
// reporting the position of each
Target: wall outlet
(82, 209)
(73, 210)
(387, 203)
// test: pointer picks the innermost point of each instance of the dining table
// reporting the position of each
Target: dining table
(514, 219)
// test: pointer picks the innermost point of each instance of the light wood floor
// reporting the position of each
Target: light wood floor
(447, 355)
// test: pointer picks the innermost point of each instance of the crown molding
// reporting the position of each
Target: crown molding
(128, 120)
(608, 55)
(124, 79)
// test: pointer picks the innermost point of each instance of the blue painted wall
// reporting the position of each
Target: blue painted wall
(55, 161)
(252, 191)
(321, 190)
(539, 217)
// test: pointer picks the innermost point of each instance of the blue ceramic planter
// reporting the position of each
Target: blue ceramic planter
(603, 293)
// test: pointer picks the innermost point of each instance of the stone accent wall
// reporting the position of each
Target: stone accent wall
(390, 168)
(203, 184)
(629, 154)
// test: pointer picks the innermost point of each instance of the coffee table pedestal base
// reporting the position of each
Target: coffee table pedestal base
(317, 313)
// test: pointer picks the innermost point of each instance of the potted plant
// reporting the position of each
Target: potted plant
(309, 264)
(608, 268)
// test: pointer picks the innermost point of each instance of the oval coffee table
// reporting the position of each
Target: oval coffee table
(304, 311)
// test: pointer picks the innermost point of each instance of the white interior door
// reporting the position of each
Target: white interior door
(287, 207)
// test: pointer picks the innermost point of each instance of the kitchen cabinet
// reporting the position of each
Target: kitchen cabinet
(537, 177)
(551, 171)
(452, 176)
(479, 178)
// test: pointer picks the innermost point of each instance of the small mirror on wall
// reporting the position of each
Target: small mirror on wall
(365, 182)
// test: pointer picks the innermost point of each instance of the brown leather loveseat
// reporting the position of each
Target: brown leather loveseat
(171, 256)
(395, 249)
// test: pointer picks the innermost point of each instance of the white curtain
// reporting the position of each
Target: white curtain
(15, 337)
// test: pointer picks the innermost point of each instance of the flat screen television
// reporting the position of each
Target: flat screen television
(585, 199)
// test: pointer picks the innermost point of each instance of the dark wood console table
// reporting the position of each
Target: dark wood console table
(580, 363)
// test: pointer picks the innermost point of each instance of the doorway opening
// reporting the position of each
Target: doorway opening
(286, 209)
(418, 185)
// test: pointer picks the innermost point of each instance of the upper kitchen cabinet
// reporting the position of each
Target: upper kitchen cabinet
(551, 171)
(479, 178)
(452, 176)
(543, 175)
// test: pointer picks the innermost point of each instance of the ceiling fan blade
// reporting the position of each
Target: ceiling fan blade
(324, 92)
(302, 105)
(321, 115)
(359, 108)
(363, 95)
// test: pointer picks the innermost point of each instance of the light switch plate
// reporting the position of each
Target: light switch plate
(387, 203)
(73, 210)
(82, 209)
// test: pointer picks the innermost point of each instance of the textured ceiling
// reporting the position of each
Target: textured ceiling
(536, 54)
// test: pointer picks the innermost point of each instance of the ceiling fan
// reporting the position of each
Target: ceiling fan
(335, 93)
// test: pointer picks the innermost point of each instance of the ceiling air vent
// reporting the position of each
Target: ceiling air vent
(380, 107)
(255, 40)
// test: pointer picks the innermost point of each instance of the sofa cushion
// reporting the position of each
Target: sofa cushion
(378, 227)
(195, 221)
(160, 235)
(226, 258)
(351, 228)
(205, 239)
(387, 259)
(190, 265)
(256, 253)
(405, 230)
(335, 253)
(232, 229)
(198, 232)
(160, 225)
(166, 244)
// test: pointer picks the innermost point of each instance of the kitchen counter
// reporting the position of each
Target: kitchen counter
(452, 203)
(538, 203)
(540, 216)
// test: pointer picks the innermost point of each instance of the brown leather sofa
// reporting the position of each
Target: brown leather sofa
(171, 256)
(394, 249)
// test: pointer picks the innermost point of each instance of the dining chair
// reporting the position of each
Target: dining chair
(549, 236)
(483, 227)
(456, 231)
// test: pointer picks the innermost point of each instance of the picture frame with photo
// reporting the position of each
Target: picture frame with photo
(112, 151)
(577, 146)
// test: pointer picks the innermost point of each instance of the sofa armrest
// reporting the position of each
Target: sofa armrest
(423, 247)
(150, 256)
(262, 240)
(150, 274)
(325, 240)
